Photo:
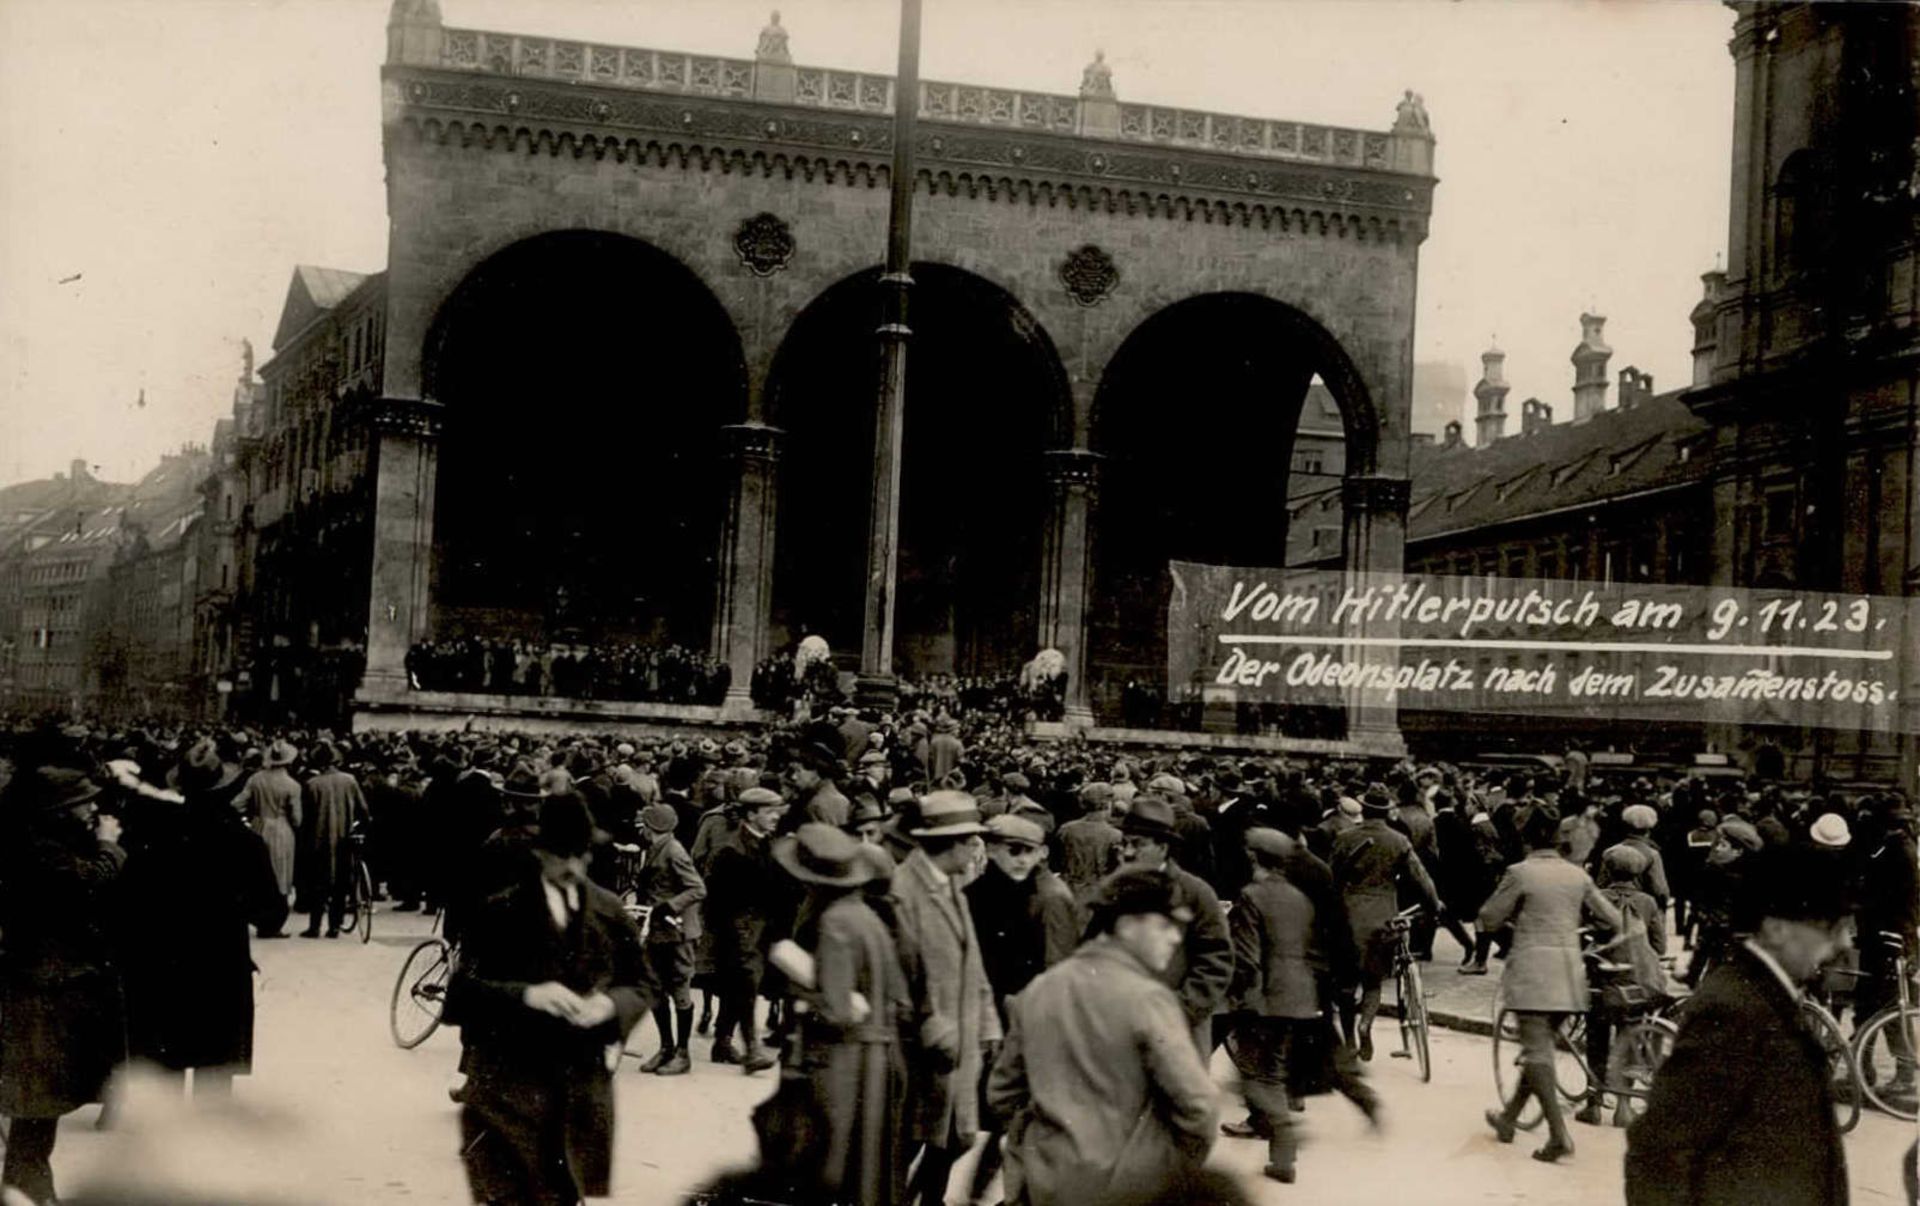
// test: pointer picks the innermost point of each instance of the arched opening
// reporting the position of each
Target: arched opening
(1200, 416)
(985, 398)
(584, 377)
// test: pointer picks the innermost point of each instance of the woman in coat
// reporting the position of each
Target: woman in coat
(59, 991)
(1542, 897)
(271, 803)
(845, 1080)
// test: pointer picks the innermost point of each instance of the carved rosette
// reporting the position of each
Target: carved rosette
(1089, 275)
(1376, 495)
(1074, 467)
(764, 244)
(753, 442)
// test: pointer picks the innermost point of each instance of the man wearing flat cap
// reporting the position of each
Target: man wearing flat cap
(745, 892)
(1640, 820)
(956, 1027)
(1202, 966)
(1104, 1103)
(672, 889)
(550, 981)
(1742, 1111)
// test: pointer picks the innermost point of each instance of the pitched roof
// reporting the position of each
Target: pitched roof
(312, 292)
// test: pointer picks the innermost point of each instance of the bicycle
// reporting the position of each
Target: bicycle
(1410, 995)
(359, 911)
(1640, 1045)
(420, 991)
(1883, 1046)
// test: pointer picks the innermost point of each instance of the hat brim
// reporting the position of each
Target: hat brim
(786, 852)
(958, 829)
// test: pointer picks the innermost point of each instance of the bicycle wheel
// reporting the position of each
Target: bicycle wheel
(363, 889)
(1413, 1019)
(1570, 1070)
(1638, 1051)
(1506, 1063)
(419, 993)
(1884, 1061)
(1842, 1072)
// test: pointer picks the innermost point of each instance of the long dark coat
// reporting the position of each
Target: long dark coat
(332, 802)
(837, 1120)
(196, 878)
(1742, 1110)
(538, 1122)
(1368, 862)
(744, 889)
(61, 1030)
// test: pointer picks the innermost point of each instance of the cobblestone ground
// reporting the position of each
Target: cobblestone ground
(343, 1116)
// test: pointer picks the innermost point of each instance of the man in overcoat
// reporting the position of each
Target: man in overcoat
(1741, 1113)
(744, 890)
(550, 981)
(332, 803)
(1088, 847)
(957, 1027)
(60, 1008)
(1368, 863)
(1106, 1104)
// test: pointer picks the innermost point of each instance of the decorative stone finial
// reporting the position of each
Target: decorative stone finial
(1410, 117)
(1097, 79)
(773, 42)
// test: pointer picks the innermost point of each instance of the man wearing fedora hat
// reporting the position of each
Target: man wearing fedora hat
(956, 1024)
(1742, 1110)
(1202, 966)
(1369, 861)
(814, 774)
(59, 996)
(550, 981)
(672, 889)
(333, 804)
(1103, 1101)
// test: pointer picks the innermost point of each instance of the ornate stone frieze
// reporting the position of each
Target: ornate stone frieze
(1033, 162)
(1089, 275)
(764, 244)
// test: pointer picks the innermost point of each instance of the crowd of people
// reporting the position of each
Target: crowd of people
(627, 671)
(931, 929)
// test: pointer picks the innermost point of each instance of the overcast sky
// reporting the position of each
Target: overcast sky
(178, 157)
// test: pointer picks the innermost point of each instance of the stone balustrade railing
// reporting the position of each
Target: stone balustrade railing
(825, 88)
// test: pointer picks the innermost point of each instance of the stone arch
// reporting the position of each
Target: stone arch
(583, 378)
(1194, 418)
(987, 397)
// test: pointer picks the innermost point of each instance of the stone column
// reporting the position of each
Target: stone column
(1066, 566)
(404, 444)
(1376, 535)
(746, 559)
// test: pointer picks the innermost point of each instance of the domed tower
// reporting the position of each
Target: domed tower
(1490, 397)
(1590, 358)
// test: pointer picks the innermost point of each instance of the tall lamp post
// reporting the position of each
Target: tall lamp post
(876, 685)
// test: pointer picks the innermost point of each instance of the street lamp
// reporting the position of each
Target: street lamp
(876, 685)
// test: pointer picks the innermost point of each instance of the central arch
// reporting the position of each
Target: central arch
(986, 398)
(1196, 417)
(584, 377)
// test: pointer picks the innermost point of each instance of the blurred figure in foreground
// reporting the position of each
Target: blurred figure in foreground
(1106, 1099)
(60, 1011)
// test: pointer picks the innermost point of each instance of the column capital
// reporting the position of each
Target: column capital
(752, 441)
(1376, 495)
(1074, 466)
(404, 416)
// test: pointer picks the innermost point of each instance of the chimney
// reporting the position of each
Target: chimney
(1490, 395)
(1706, 325)
(1535, 415)
(1590, 358)
(77, 471)
(1636, 387)
(1452, 438)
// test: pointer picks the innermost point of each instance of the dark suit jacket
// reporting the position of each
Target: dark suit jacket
(1742, 1111)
